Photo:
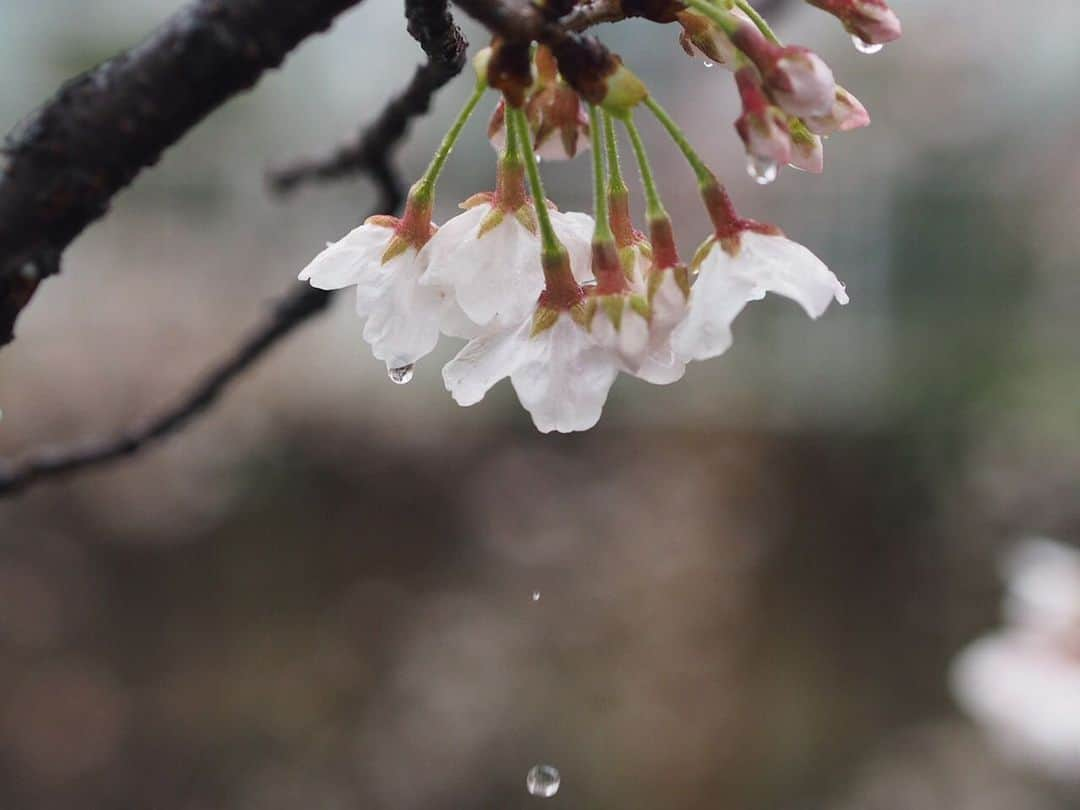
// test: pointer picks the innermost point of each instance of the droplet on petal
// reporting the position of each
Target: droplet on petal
(543, 781)
(763, 171)
(401, 374)
(707, 63)
(862, 46)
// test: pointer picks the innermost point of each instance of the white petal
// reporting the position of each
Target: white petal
(575, 231)
(661, 365)
(669, 303)
(402, 316)
(486, 360)
(342, 262)
(496, 278)
(782, 266)
(564, 385)
(716, 299)
(630, 342)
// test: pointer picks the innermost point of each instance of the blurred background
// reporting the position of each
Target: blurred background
(751, 584)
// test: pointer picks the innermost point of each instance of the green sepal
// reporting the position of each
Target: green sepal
(543, 319)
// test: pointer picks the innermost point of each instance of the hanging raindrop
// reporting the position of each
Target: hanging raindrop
(707, 63)
(401, 374)
(763, 171)
(862, 46)
(536, 596)
(543, 781)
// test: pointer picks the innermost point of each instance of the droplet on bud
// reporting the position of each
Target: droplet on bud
(401, 374)
(862, 46)
(707, 63)
(543, 781)
(762, 170)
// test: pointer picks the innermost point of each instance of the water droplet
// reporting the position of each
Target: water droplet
(763, 171)
(401, 374)
(862, 46)
(543, 781)
(536, 596)
(707, 63)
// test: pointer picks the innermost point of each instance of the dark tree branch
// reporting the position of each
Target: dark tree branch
(66, 162)
(440, 39)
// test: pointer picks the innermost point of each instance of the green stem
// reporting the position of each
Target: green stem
(759, 21)
(424, 190)
(727, 21)
(616, 184)
(512, 151)
(603, 231)
(654, 208)
(549, 242)
(702, 172)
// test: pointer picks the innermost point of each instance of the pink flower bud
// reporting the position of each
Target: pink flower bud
(847, 114)
(801, 82)
(762, 126)
(798, 80)
(872, 21)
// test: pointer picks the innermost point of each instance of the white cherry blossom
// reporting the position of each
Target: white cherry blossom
(488, 261)
(560, 372)
(762, 263)
(402, 316)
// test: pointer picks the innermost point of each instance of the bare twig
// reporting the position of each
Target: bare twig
(441, 40)
(431, 25)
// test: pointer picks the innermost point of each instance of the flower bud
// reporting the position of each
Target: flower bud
(801, 82)
(762, 126)
(847, 114)
(872, 21)
(797, 79)
(700, 33)
(480, 64)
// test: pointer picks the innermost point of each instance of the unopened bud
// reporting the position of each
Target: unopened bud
(762, 126)
(872, 21)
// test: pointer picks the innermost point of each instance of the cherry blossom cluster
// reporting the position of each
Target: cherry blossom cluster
(561, 303)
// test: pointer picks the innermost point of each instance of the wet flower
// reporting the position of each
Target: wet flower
(560, 372)
(741, 264)
(487, 257)
(381, 259)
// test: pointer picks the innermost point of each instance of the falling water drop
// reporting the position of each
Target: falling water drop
(707, 63)
(543, 781)
(536, 596)
(862, 46)
(401, 374)
(763, 171)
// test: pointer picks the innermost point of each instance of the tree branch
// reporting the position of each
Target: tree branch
(445, 46)
(66, 162)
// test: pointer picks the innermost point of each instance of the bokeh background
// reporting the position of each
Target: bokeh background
(751, 583)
